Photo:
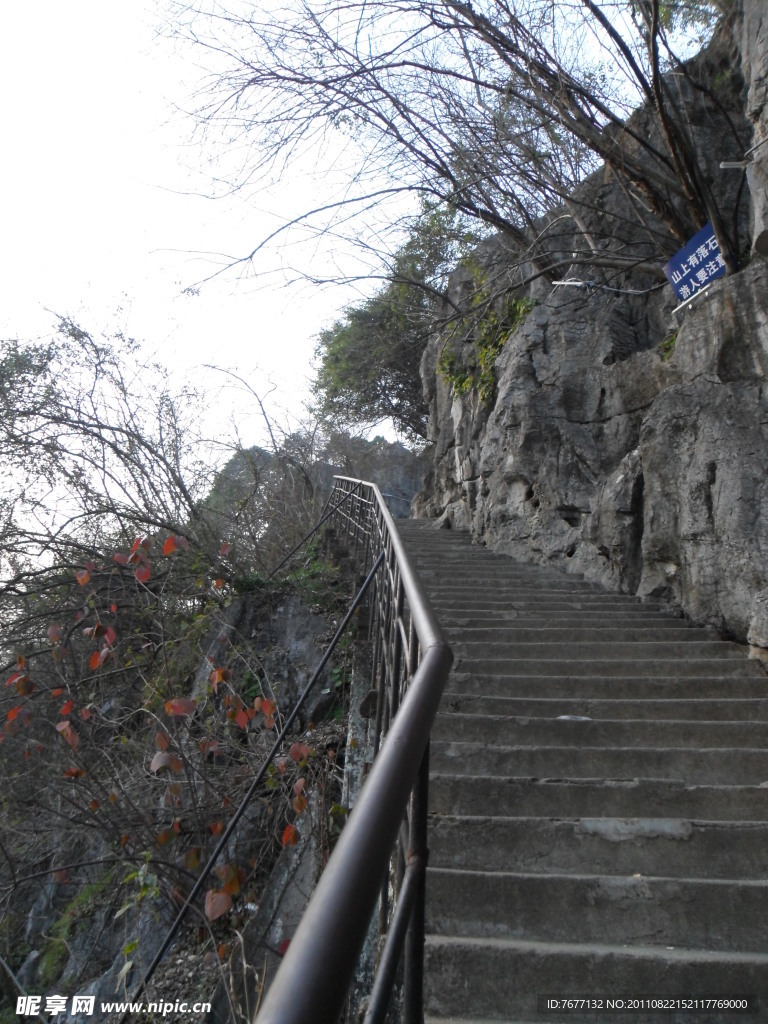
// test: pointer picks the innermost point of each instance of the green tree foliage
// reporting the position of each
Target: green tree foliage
(368, 360)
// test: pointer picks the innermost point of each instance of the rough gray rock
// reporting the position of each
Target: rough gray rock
(646, 473)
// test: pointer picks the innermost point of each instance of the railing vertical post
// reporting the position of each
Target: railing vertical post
(418, 853)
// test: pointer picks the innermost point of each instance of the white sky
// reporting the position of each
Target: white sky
(95, 223)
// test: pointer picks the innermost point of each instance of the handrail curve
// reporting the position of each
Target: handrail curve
(410, 664)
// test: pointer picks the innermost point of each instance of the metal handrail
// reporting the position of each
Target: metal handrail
(411, 662)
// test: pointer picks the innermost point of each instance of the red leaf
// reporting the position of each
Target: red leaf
(14, 712)
(225, 549)
(164, 837)
(268, 708)
(55, 633)
(290, 835)
(219, 675)
(234, 881)
(67, 707)
(24, 686)
(216, 828)
(110, 635)
(300, 786)
(180, 706)
(57, 692)
(299, 804)
(98, 658)
(68, 734)
(217, 903)
(169, 547)
(241, 718)
(139, 543)
(85, 714)
(73, 773)
(83, 577)
(162, 740)
(113, 609)
(299, 752)
(120, 558)
(218, 583)
(210, 748)
(61, 877)
(143, 573)
(94, 805)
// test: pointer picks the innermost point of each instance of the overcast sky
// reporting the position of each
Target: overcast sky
(102, 211)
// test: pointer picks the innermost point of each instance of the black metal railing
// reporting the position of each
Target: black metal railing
(381, 855)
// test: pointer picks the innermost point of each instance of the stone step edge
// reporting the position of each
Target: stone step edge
(750, 703)
(430, 1019)
(581, 876)
(473, 746)
(534, 720)
(679, 954)
(459, 676)
(716, 824)
(601, 781)
(514, 698)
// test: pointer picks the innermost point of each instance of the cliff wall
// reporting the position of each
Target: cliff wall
(623, 441)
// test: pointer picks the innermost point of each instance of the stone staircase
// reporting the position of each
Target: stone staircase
(599, 810)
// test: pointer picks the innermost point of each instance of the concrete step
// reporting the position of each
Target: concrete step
(515, 592)
(503, 618)
(623, 732)
(645, 666)
(502, 979)
(512, 635)
(751, 683)
(541, 606)
(574, 648)
(725, 915)
(467, 1020)
(708, 767)
(503, 584)
(511, 796)
(665, 847)
(691, 709)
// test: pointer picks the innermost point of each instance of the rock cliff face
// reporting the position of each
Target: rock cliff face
(625, 442)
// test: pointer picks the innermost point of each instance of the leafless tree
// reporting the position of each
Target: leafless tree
(498, 108)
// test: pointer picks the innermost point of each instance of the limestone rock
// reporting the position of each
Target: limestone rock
(645, 472)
